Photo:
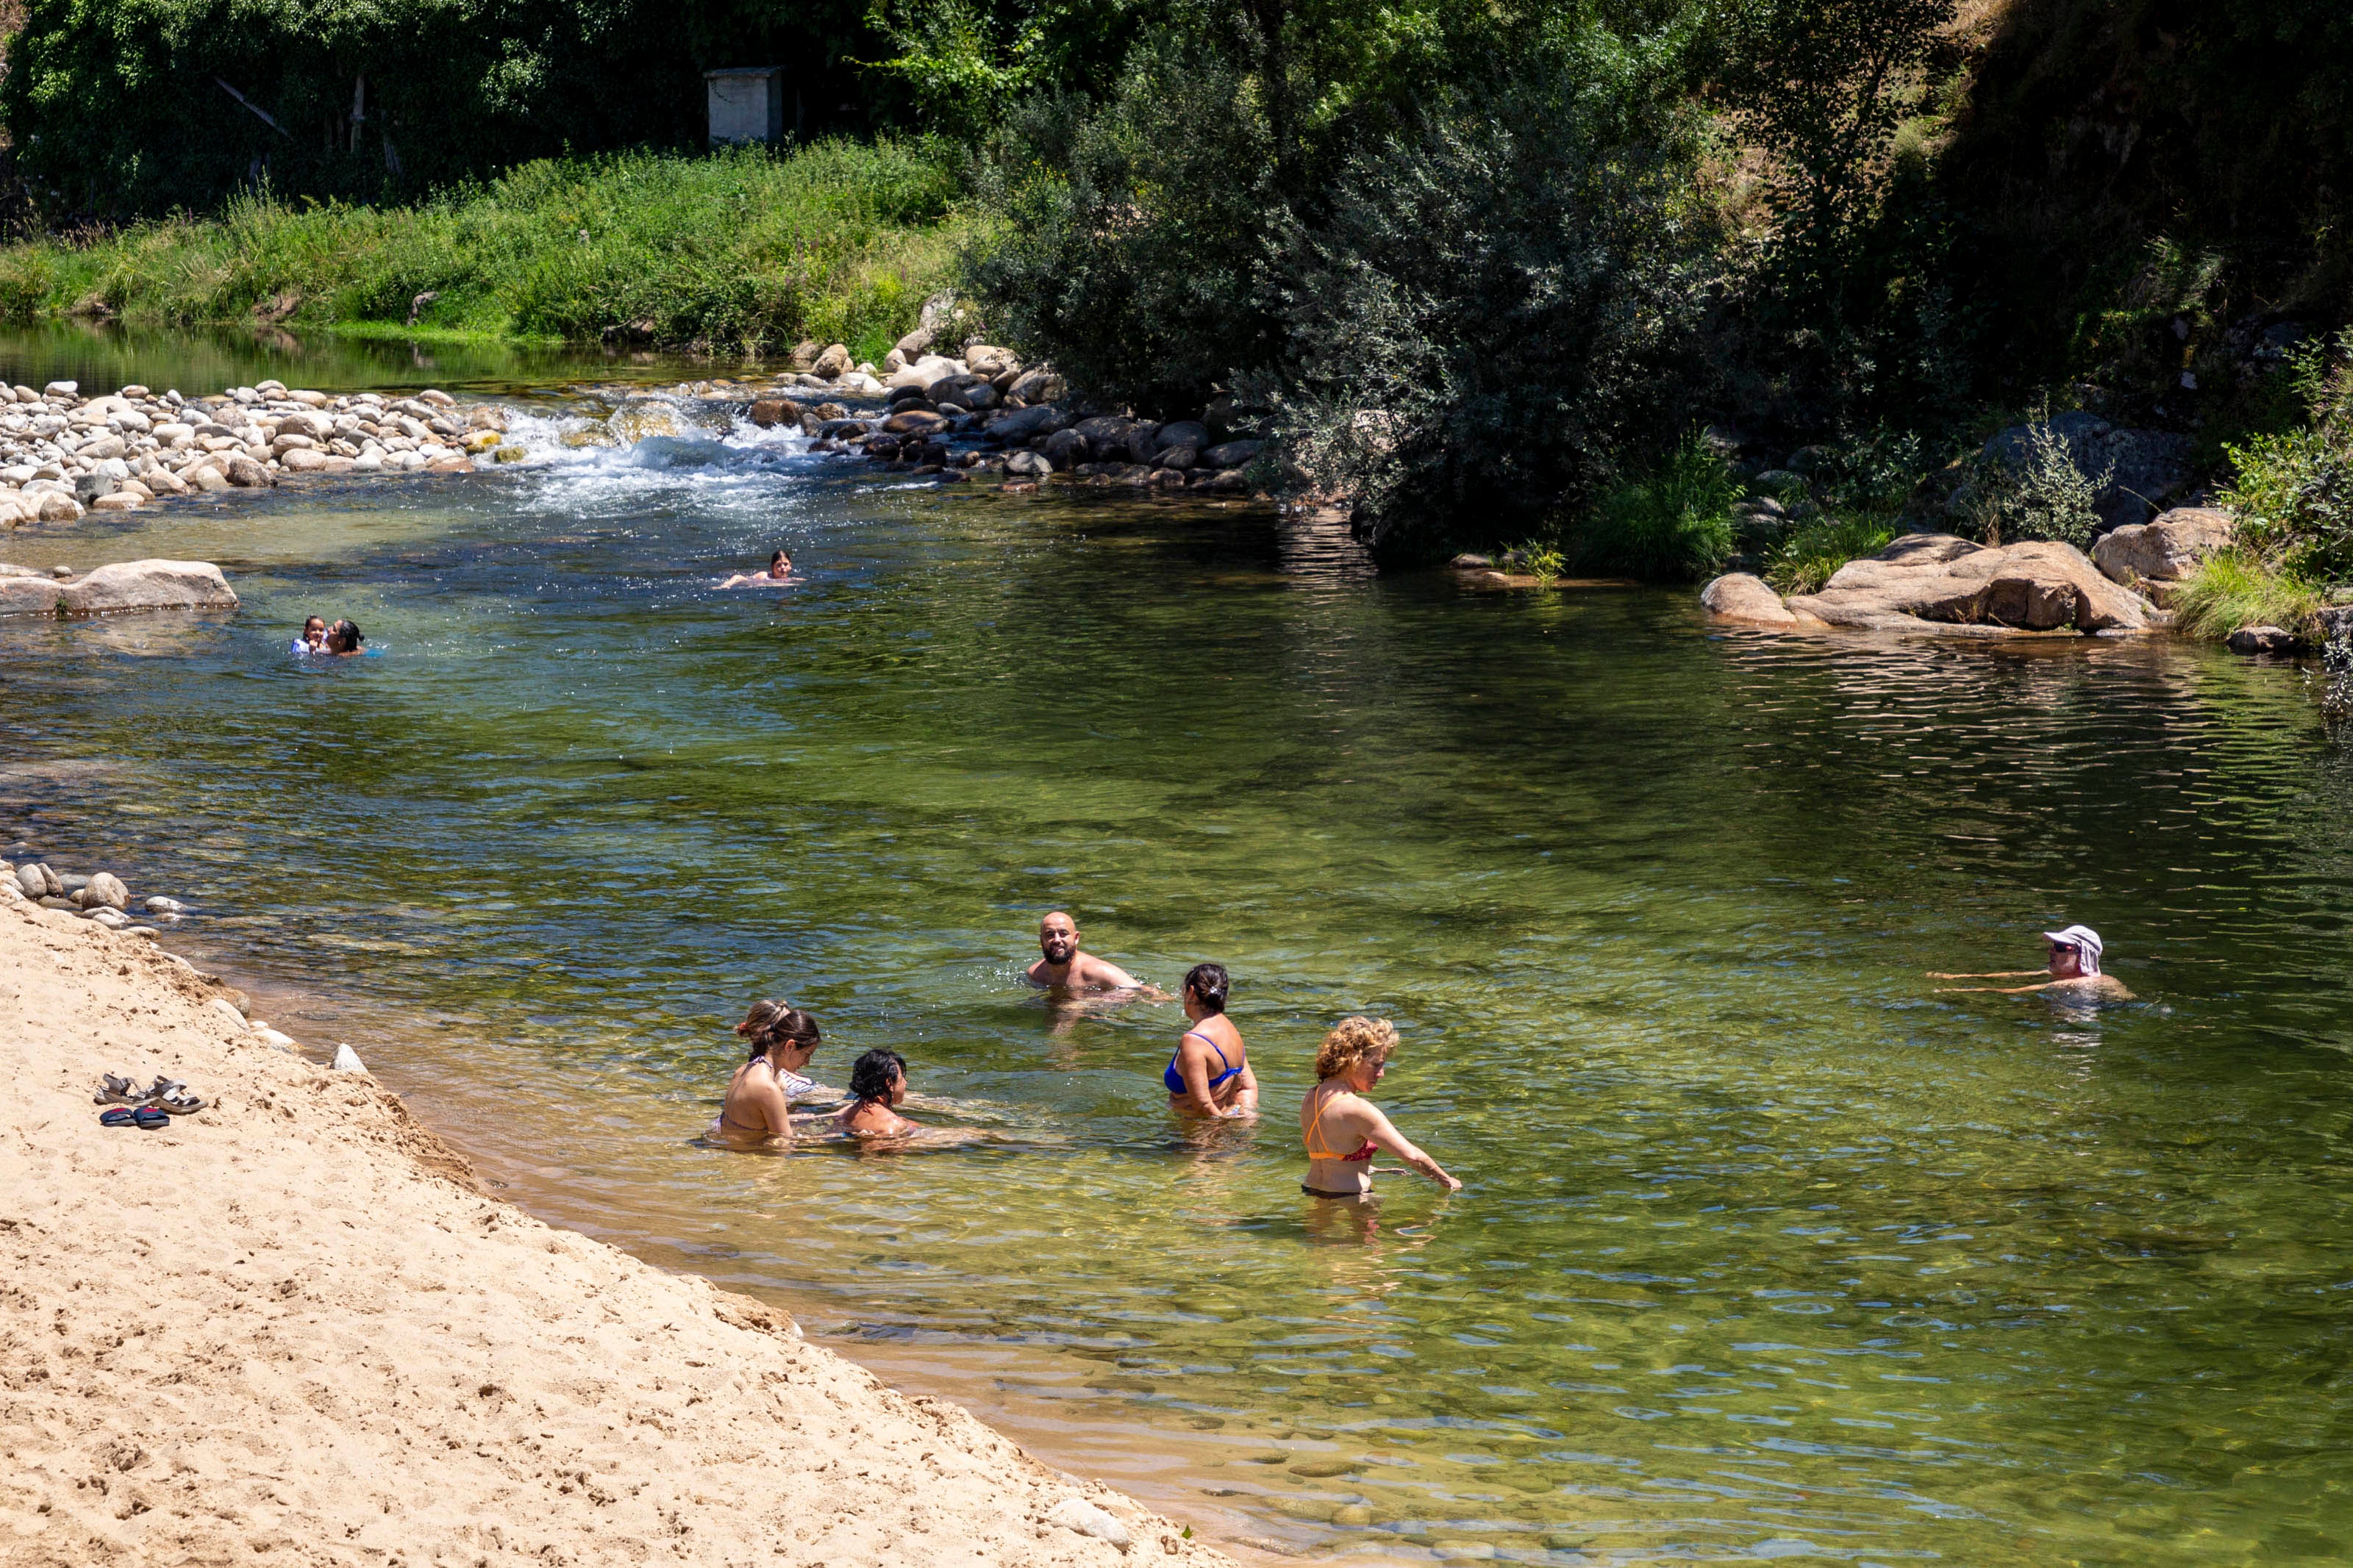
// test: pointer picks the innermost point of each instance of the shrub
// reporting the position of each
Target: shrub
(1674, 524)
(2234, 588)
(1805, 559)
(1501, 304)
(2046, 496)
(2293, 491)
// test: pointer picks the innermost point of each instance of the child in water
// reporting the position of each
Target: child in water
(780, 570)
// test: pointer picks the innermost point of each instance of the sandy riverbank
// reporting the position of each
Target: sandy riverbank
(291, 1331)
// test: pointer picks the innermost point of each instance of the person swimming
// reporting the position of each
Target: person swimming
(2073, 970)
(780, 569)
(758, 1112)
(1209, 1074)
(313, 639)
(1341, 1127)
(877, 1081)
(343, 640)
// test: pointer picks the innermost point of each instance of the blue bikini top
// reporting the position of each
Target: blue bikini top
(1175, 1081)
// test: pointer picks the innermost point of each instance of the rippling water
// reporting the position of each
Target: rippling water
(1766, 1251)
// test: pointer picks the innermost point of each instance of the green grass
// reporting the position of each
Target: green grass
(837, 242)
(1675, 523)
(2235, 589)
(1804, 561)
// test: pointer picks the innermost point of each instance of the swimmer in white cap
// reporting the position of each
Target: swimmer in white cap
(2073, 970)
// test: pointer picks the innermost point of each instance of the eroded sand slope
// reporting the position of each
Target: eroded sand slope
(290, 1331)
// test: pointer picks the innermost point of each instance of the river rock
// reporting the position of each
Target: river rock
(833, 363)
(1938, 583)
(58, 507)
(38, 881)
(986, 359)
(1221, 482)
(107, 889)
(1177, 457)
(112, 919)
(305, 460)
(1039, 386)
(1040, 419)
(1107, 436)
(915, 421)
(163, 905)
(2163, 550)
(150, 585)
(247, 474)
(770, 412)
(1078, 1514)
(1230, 455)
(1028, 466)
(925, 371)
(2263, 639)
(348, 1059)
(1744, 597)
(1065, 449)
(28, 596)
(1183, 433)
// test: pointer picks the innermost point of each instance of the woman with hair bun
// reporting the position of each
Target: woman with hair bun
(759, 1110)
(1341, 1127)
(878, 1084)
(1209, 1074)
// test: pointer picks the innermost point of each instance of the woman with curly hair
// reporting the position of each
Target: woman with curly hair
(758, 1108)
(1341, 1127)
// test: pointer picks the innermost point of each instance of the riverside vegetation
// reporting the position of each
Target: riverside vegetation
(1657, 285)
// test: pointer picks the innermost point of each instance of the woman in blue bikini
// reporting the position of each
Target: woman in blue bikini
(1209, 1076)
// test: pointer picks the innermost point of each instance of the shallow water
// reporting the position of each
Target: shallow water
(1766, 1251)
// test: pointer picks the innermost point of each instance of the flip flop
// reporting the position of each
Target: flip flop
(114, 1090)
(149, 1118)
(120, 1116)
(178, 1102)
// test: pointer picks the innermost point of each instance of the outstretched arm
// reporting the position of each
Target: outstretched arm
(1387, 1137)
(1993, 990)
(1991, 975)
(1109, 976)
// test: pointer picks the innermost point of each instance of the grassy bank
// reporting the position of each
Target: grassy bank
(839, 241)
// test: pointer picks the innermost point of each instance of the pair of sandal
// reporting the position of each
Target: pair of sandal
(167, 1095)
(144, 1116)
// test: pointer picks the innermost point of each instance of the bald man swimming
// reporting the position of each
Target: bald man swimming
(1065, 967)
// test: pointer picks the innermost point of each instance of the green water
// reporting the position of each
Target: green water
(1765, 1252)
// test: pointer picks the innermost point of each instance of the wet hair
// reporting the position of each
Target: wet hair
(871, 1075)
(1211, 984)
(778, 556)
(343, 637)
(771, 1024)
(1353, 1041)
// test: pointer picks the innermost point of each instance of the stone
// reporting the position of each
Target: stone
(1028, 466)
(1184, 433)
(228, 1009)
(915, 421)
(437, 397)
(28, 596)
(348, 1059)
(206, 477)
(1078, 1514)
(277, 1038)
(1938, 583)
(1065, 449)
(1107, 436)
(2163, 550)
(72, 882)
(1467, 562)
(160, 905)
(833, 363)
(120, 500)
(305, 460)
(2262, 640)
(1143, 443)
(1178, 458)
(1039, 386)
(61, 389)
(925, 371)
(1744, 597)
(1221, 482)
(153, 584)
(33, 878)
(911, 348)
(112, 920)
(58, 507)
(804, 356)
(247, 474)
(107, 889)
(986, 359)
(1231, 455)
(1168, 479)
(1022, 423)
(768, 413)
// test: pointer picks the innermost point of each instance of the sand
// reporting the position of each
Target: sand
(291, 1329)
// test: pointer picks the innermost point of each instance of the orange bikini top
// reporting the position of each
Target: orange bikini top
(1364, 1152)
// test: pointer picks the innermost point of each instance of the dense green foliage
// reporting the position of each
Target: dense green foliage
(2237, 589)
(2292, 490)
(841, 241)
(1673, 523)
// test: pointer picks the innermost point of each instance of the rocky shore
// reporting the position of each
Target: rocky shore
(290, 1329)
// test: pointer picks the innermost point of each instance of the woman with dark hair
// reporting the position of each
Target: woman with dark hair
(780, 570)
(1342, 1129)
(758, 1108)
(1209, 1074)
(343, 639)
(877, 1081)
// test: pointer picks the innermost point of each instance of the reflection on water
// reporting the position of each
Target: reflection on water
(1765, 1252)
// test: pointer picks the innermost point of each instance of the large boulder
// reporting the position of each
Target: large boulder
(1742, 597)
(923, 372)
(1182, 433)
(28, 596)
(2163, 550)
(1065, 449)
(150, 585)
(1039, 419)
(1106, 435)
(1936, 583)
(2143, 468)
(1038, 385)
(833, 363)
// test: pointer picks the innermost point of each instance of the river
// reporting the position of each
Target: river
(1766, 1251)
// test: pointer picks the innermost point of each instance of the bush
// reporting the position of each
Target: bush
(1676, 524)
(2047, 496)
(2292, 492)
(1805, 559)
(2234, 588)
(1501, 305)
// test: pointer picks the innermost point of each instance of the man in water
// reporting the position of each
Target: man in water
(2073, 970)
(1066, 968)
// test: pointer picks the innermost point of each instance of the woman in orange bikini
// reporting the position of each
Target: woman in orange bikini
(1209, 1074)
(1341, 1127)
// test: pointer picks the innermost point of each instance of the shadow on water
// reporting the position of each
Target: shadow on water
(1766, 1251)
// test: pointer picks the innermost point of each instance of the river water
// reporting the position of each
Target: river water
(1766, 1251)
